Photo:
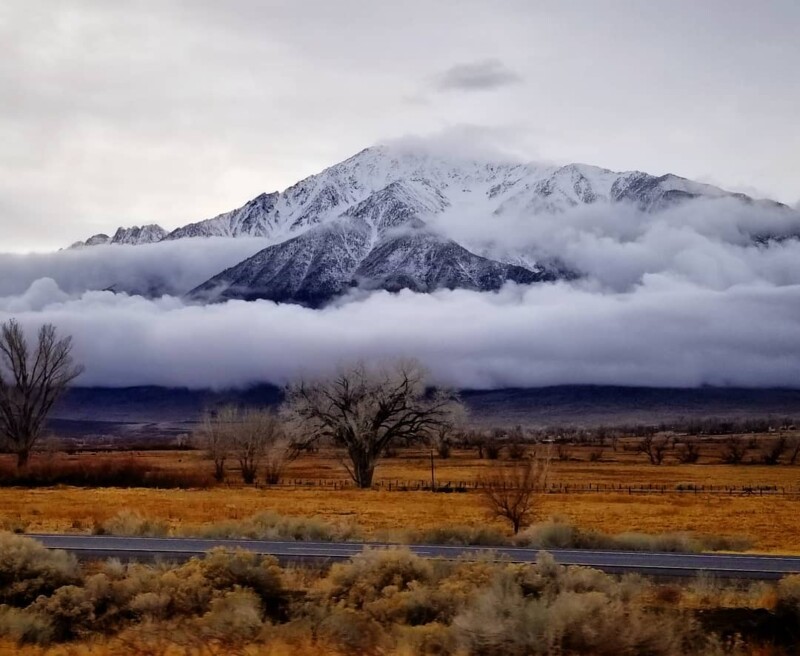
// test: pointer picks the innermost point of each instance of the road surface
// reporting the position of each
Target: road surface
(663, 564)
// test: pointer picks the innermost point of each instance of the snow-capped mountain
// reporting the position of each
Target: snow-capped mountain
(248, 220)
(95, 240)
(146, 234)
(380, 243)
(367, 222)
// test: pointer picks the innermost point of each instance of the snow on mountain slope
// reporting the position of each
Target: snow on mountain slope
(381, 243)
(135, 235)
(308, 269)
(147, 234)
(424, 262)
(440, 182)
(333, 230)
(251, 219)
(94, 240)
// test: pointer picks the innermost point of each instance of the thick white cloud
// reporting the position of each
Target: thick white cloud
(174, 267)
(682, 297)
(665, 332)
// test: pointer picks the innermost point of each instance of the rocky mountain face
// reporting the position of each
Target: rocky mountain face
(365, 222)
(147, 234)
(381, 243)
(95, 240)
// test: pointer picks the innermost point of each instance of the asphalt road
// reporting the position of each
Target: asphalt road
(662, 564)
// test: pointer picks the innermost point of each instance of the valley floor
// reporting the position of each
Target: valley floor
(659, 501)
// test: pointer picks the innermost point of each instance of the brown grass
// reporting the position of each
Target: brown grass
(771, 521)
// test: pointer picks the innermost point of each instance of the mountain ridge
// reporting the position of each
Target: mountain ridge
(330, 232)
(311, 200)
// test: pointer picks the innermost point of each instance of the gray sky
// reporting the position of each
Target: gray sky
(171, 111)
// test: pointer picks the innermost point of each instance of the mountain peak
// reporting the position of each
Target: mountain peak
(146, 234)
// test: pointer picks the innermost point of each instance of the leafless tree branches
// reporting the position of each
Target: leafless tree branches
(367, 410)
(259, 440)
(31, 381)
(510, 492)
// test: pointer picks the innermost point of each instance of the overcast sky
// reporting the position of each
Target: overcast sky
(171, 111)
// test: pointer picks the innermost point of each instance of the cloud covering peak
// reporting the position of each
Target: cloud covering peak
(684, 297)
(665, 333)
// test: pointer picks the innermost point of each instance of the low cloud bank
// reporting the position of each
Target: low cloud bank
(171, 267)
(684, 297)
(668, 332)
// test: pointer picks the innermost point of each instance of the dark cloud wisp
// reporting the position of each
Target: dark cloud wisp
(477, 76)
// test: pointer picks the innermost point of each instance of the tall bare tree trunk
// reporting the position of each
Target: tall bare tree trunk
(31, 381)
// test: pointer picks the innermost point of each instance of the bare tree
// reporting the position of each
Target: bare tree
(794, 450)
(772, 454)
(475, 439)
(734, 451)
(287, 444)
(367, 410)
(256, 439)
(688, 452)
(254, 435)
(441, 435)
(510, 492)
(654, 448)
(215, 436)
(31, 381)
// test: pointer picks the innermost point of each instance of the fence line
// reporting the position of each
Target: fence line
(399, 485)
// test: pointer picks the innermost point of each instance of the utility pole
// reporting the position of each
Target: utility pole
(433, 474)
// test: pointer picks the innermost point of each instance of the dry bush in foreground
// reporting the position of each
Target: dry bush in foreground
(271, 526)
(559, 534)
(386, 601)
(552, 534)
(28, 570)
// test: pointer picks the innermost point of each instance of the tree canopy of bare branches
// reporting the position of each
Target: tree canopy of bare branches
(655, 448)
(215, 435)
(366, 410)
(442, 435)
(511, 492)
(259, 440)
(31, 381)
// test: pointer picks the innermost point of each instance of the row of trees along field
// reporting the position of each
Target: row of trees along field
(364, 410)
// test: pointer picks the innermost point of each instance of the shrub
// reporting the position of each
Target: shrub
(789, 597)
(98, 472)
(25, 626)
(547, 609)
(369, 574)
(131, 523)
(271, 526)
(352, 632)
(234, 617)
(460, 535)
(432, 639)
(554, 534)
(559, 534)
(27, 570)
(666, 542)
(70, 610)
(150, 605)
(227, 570)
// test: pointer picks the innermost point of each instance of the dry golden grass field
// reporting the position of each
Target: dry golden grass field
(772, 522)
